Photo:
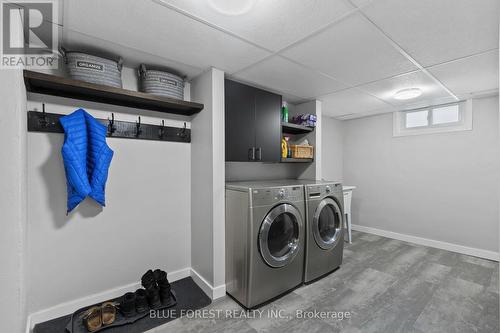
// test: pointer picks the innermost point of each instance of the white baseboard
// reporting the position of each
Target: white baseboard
(71, 306)
(212, 292)
(431, 243)
(219, 291)
(180, 274)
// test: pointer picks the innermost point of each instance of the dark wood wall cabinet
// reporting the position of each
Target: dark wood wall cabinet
(253, 125)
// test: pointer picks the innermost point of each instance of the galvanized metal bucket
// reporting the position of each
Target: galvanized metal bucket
(93, 69)
(161, 83)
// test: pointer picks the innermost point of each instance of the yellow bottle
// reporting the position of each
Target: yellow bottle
(284, 148)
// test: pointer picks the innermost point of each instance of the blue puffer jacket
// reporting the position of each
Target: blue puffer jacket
(86, 157)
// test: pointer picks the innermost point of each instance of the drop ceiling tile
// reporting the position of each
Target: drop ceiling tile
(132, 57)
(361, 3)
(366, 114)
(154, 29)
(352, 51)
(270, 24)
(57, 9)
(351, 102)
(469, 75)
(385, 89)
(285, 76)
(438, 31)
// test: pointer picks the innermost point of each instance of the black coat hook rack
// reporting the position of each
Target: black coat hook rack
(49, 123)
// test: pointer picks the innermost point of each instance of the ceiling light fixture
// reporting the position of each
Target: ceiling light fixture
(408, 93)
(232, 7)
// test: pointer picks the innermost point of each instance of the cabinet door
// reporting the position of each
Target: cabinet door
(239, 121)
(267, 126)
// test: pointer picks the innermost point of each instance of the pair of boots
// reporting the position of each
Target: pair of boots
(137, 302)
(156, 292)
(134, 303)
(157, 286)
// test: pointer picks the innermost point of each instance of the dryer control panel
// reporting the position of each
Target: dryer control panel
(269, 196)
(318, 191)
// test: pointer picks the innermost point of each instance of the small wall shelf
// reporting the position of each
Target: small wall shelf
(290, 128)
(59, 86)
(296, 160)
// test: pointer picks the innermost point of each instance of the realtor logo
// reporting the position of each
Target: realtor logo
(29, 34)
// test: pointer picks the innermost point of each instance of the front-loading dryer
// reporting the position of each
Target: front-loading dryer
(265, 233)
(324, 228)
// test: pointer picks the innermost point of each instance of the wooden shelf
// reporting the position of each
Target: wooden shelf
(59, 86)
(290, 128)
(297, 160)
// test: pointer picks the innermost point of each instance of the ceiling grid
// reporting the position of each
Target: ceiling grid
(270, 46)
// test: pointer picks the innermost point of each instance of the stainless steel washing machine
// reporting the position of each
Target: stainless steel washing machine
(324, 228)
(264, 240)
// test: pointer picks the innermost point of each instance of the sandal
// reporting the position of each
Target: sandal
(108, 313)
(92, 319)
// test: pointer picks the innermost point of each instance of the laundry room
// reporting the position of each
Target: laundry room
(250, 165)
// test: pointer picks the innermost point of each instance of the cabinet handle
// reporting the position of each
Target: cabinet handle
(251, 154)
(259, 154)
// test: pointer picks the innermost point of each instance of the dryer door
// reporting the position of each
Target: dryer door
(279, 235)
(327, 224)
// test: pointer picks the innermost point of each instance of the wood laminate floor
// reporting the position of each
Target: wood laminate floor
(385, 285)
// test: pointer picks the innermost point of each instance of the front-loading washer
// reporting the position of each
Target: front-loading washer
(324, 228)
(265, 233)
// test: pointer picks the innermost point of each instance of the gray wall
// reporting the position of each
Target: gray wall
(441, 186)
(236, 171)
(12, 200)
(146, 222)
(201, 173)
(207, 172)
(332, 137)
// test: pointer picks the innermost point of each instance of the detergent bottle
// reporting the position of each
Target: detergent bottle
(284, 148)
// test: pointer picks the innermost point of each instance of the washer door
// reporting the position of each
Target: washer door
(327, 224)
(279, 235)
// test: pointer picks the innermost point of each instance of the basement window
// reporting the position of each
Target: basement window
(434, 119)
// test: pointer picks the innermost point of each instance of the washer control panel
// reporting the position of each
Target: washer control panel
(267, 196)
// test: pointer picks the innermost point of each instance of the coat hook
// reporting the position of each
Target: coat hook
(138, 127)
(43, 118)
(182, 133)
(161, 131)
(111, 125)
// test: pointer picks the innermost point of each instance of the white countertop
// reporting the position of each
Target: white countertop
(348, 188)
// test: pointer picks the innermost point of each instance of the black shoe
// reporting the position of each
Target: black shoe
(148, 279)
(164, 285)
(161, 278)
(141, 301)
(127, 305)
(159, 275)
(153, 295)
(165, 295)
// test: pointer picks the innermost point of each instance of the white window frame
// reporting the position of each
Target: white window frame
(464, 123)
